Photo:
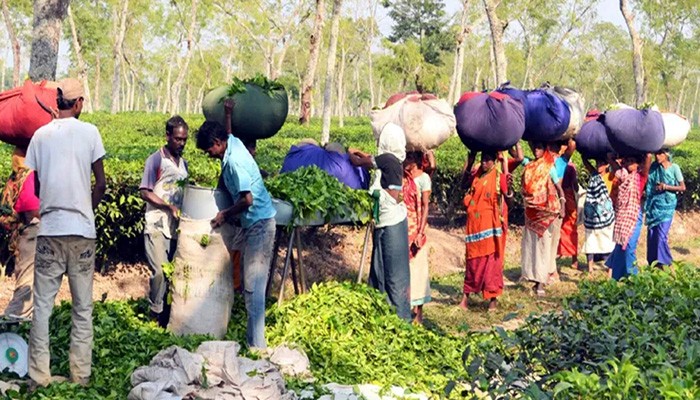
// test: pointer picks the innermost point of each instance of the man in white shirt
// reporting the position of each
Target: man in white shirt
(63, 153)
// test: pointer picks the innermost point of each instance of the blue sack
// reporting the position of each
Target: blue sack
(592, 141)
(546, 116)
(334, 163)
(633, 132)
(490, 122)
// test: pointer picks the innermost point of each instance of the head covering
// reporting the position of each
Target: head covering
(71, 88)
(392, 140)
(18, 159)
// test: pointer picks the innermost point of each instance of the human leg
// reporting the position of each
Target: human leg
(257, 255)
(81, 268)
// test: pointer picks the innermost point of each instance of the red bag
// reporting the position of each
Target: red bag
(21, 114)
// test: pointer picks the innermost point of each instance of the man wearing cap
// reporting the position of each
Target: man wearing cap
(64, 153)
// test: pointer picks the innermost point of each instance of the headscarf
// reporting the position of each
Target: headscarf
(9, 219)
(392, 140)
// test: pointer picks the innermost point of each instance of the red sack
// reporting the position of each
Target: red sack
(21, 114)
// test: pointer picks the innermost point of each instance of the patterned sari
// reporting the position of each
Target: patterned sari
(418, 260)
(484, 234)
(540, 195)
(9, 219)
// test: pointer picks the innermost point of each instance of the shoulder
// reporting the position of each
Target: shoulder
(154, 159)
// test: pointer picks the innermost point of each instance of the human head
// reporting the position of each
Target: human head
(212, 139)
(176, 131)
(488, 160)
(414, 160)
(69, 97)
(631, 163)
(662, 155)
(538, 149)
(392, 140)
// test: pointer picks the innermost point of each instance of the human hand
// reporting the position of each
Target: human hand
(219, 220)
(661, 187)
(228, 105)
(174, 211)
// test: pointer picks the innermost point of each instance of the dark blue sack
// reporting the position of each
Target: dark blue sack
(490, 122)
(546, 116)
(634, 132)
(592, 141)
(334, 163)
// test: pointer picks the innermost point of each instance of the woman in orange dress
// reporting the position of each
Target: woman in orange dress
(485, 229)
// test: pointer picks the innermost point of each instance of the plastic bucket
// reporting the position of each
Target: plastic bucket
(204, 203)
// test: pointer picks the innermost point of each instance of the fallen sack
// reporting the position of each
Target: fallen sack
(334, 163)
(592, 141)
(490, 122)
(202, 281)
(547, 116)
(676, 128)
(257, 114)
(21, 112)
(633, 131)
(576, 105)
(427, 121)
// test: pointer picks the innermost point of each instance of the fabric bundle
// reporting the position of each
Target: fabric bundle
(489, 122)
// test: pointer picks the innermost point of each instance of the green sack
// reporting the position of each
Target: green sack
(256, 115)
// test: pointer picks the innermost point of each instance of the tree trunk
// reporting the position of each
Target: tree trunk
(330, 71)
(477, 77)
(175, 99)
(499, 50)
(370, 39)
(341, 90)
(681, 96)
(188, 100)
(637, 62)
(16, 56)
(46, 35)
(693, 111)
(82, 67)
(2, 83)
(159, 97)
(166, 101)
(97, 82)
(118, 48)
(528, 58)
(310, 74)
(460, 44)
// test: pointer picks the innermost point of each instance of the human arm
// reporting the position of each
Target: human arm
(245, 200)
(570, 149)
(360, 159)
(562, 199)
(154, 200)
(228, 111)
(646, 165)
(587, 164)
(432, 164)
(680, 187)
(612, 162)
(467, 175)
(425, 209)
(98, 191)
(507, 189)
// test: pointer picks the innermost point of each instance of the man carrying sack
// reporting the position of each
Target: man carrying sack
(64, 153)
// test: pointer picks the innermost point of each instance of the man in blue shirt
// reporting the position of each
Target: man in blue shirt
(252, 211)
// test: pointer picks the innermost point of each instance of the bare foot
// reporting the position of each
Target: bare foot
(493, 305)
(463, 304)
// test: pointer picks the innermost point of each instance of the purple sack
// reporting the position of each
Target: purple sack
(334, 163)
(592, 141)
(633, 132)
(490, 122)
(546, 116)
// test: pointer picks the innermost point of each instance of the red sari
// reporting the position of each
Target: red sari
(568, 241)
(485, 234)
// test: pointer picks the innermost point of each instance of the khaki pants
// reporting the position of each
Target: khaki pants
(56, 256)
(22, 304)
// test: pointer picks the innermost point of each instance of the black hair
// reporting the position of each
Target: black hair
(175, 121)
(209, 131)
(64, 104)
(250, 143)
(489, 154)
(415, 156)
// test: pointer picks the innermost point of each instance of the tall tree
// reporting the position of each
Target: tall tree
(637, 62)
(46, 35)
(119, 31)
(82, 67)
(330, 71)
(498, 28)
(465, 29)
(16, 56)
(422, 21)
(183, 68)
(310, 75)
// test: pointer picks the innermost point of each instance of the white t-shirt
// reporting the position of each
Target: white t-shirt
(62, 153)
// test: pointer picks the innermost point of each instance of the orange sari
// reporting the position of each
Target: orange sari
(540, 195)
(568, 242)
(485, 232)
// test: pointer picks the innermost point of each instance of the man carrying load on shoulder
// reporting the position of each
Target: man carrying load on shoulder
(252, 212)
(65, 153)
(162, 187)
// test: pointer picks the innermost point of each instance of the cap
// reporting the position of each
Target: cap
(72, 88)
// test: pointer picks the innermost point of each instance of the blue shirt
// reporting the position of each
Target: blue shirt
(557, 171)
(241, 174)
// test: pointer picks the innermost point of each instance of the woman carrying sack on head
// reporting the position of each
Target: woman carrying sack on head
(598, 214)
(664, 184)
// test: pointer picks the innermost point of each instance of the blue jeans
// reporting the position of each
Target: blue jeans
(624, 262)
(390, 272)
(256, 246)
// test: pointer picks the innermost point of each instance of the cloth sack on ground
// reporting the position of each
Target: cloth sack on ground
(576, 105)
(547, 116)
(290, 361)
(221, 362)
(634, 131)
(592, 141)
(256, 114)
(676, 128)
(334, 163)
(202, 281)
(427, 121)
(492, 121)
(21, 114)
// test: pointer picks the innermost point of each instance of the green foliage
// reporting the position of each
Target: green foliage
(260, 80)
(423, 21)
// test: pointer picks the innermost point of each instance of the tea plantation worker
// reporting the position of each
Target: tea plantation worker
(390, 272)
(252, 211)
(485, 231)
(598, 214)
(630, 180)
(562, 151)
(568, 241)
(64, 153)
(417, 187)
(665, 182)
(544, 207)
(19, 218)
(162, 187)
